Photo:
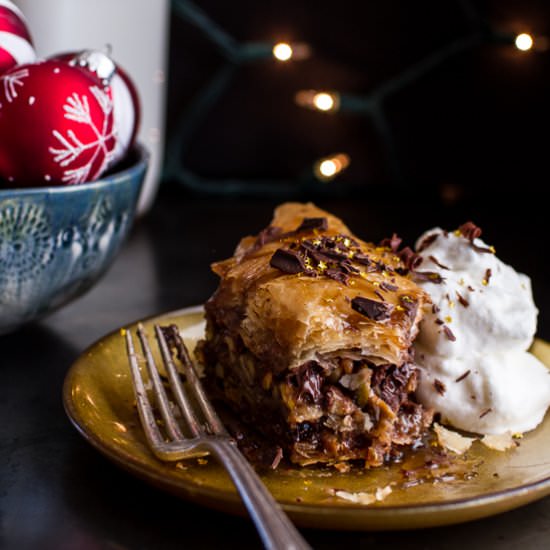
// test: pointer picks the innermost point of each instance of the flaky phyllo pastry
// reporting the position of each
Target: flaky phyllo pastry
(309, 339)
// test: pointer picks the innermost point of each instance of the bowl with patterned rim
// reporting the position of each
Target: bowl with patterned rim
(56, 242)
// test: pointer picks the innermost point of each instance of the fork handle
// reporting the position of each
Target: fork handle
(275, 529)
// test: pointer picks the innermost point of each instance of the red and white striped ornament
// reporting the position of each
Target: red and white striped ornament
(126, 105)
(16, 45)
(56, 124)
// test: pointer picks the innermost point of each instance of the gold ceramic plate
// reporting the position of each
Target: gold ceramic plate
(98, 398)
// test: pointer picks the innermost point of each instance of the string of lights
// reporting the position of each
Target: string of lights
(370, 106)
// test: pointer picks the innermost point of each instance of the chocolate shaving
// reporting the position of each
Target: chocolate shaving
(362, 259)
(310, 224)
(463, 376)
(337, 275)
(411, 260)
(482, 249)
(470, 231)
(287, 261)
(377, 311)
(393, 244)
(409, 305)
(462, 300)
(347, 267)
(449, 333)
(428, 276)
(471, 288)
(485, 412)
(435, 309)
(380, 295)
(439, 322)
(488, 274)
(438, 263)
(269, 234)
(388, 287)
(427, 241)
(440, 388)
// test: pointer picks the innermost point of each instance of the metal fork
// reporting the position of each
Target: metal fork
(274, 527)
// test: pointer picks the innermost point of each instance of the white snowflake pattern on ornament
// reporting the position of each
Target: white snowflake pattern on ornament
(77, 108)
(11, 81)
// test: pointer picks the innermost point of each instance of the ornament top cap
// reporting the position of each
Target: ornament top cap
(97, 62)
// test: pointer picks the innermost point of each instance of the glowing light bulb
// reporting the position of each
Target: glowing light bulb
(321, 101)
(282, 51)
(328, 168)
(524, 42)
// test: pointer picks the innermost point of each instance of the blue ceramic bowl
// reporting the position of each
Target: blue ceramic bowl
(55, 242)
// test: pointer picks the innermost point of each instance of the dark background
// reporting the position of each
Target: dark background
(475, 125)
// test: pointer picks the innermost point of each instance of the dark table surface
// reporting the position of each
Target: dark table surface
(56, 491)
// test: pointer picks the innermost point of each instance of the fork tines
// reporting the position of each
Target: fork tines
(169, 338)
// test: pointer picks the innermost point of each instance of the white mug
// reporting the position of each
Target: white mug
(137, 32)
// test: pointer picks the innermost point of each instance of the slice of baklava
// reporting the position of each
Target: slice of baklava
(309, 339)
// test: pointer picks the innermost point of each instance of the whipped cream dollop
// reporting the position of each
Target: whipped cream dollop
(472, 346)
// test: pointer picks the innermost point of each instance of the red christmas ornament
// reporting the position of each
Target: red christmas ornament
(126, 107)
(56, 125)
(15, 40)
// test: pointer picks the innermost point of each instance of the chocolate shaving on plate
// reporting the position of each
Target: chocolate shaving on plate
(377, 311)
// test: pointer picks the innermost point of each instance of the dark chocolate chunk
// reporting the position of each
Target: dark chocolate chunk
(377, 311)
(449, 333)
(309, 382)
(310, 224)
(463, 376)
(287, 261)
(362, 259)
(440, 387)
(427, 241)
